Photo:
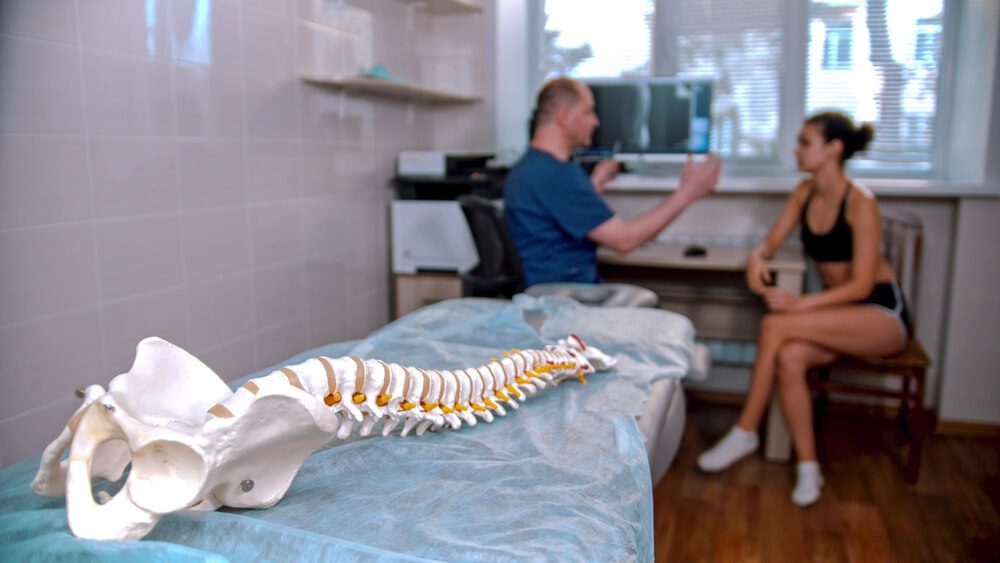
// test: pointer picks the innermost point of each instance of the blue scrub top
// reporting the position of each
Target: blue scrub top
(550, 206)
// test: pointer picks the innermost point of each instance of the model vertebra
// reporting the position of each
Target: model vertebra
(195, 444)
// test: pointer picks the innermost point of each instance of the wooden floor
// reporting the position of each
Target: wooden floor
(867, 512)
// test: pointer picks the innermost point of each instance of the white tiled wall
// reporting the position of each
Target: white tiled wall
(163, 171)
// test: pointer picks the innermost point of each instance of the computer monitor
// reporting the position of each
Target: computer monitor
(650, 116)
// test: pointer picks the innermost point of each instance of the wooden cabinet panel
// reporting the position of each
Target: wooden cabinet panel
(413, 291)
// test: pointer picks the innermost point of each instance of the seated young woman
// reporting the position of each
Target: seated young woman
(860, 310)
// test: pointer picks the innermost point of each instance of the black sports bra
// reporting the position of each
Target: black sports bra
(836, 245)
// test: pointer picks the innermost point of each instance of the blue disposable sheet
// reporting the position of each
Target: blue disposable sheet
(565, 477)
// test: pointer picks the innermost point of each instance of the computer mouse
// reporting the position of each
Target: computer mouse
(694, 251)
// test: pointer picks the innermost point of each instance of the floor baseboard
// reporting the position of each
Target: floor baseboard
(967, 429)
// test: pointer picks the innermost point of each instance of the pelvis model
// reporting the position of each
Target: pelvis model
(195, 444)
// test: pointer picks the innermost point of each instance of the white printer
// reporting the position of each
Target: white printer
(429, 231)
(430, 236)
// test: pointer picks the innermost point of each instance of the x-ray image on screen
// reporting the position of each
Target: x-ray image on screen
(651, 116)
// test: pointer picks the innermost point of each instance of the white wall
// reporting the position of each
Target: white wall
(970, 390)
(163, 177)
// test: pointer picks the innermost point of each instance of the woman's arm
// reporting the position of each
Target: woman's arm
(758, 275)
(866, 224)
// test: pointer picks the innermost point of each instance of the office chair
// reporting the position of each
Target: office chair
(902, 234)
(499, 272)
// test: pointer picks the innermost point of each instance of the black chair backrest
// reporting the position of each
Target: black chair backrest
(498, 260)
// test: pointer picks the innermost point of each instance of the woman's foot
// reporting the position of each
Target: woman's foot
(736, 445)
(808, 483)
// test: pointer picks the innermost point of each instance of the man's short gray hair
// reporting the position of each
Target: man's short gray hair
(556, 93)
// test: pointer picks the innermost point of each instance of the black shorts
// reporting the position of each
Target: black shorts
(887, 297)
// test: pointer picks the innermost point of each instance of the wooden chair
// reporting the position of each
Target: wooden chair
(902, 236)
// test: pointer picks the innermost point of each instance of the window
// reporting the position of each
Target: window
(741, 46)
(773, 62)
(928, 36)
(837, 47)
(570, 47)
(890, 83)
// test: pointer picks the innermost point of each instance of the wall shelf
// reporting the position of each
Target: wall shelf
(446, 6)
(392, 89)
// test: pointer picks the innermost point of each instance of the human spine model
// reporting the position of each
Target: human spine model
(195, 444)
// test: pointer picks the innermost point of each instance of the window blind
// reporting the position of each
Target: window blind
(886, 73)
(740, 44)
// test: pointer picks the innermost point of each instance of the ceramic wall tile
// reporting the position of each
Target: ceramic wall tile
(279, 293)
(140, 254)
(127, 321)
(324, 282)
(210, 173)
(126, 26)
(274, 341)
(268, 45)
(215, 242)
(46, 271)
(221, 309)
(275, 7)
(44, 180)
(133, 176)
(327, 226)
(45, 423)
(323, 113)
(128, 95)
(46, 359)
(276, 231)
(320, 168)
(51, 20)
(206, 32)
(209, 101)
(271, 107)
(41, 90)
(229, 360)
(272, 170)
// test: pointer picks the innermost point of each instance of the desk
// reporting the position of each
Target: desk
(730, 260)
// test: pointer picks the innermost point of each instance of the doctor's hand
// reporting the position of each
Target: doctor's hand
(780, 300)
(604, 172)
(699, 180)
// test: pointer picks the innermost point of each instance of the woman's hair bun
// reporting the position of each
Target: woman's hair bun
(838, 125)
(865, 134)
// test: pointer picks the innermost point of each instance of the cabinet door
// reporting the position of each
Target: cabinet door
(418, 290)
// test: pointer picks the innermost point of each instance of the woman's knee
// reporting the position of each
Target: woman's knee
(772, 327)
(793, 362)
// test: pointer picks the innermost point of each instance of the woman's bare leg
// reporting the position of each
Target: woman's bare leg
(795, 359)
(762, 376)
(853, 329)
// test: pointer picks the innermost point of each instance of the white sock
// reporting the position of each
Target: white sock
(736, 445)
(808, 483)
